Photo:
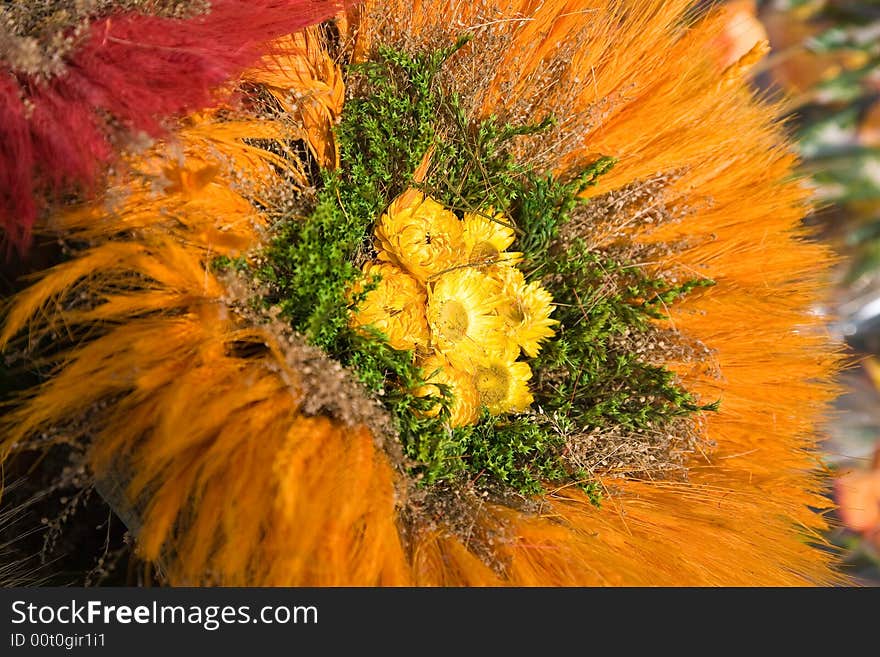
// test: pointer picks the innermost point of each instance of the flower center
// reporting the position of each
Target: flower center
(515, 314)
(492, 384)
(454, 320)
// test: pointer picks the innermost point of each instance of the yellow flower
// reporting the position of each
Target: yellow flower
(486, 238)
(420, 235)
(462, 316)
(527, 310)
(501, 384)
(396, 306)
(465, 407)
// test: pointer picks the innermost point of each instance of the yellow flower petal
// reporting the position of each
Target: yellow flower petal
(396, 307)
(526, 311)
(502, 385)
(465, 408)
(420, 235)
(462, 316)
(486, 238)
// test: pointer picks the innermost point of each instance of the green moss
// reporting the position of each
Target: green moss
(226, 263)
(399, 112)
(544, 204)
(586, 377)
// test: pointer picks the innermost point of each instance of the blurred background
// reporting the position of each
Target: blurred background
(824, 63)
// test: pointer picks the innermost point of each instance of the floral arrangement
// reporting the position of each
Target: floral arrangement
(450, 294)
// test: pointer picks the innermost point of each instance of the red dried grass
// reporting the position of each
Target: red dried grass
(134, 72)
